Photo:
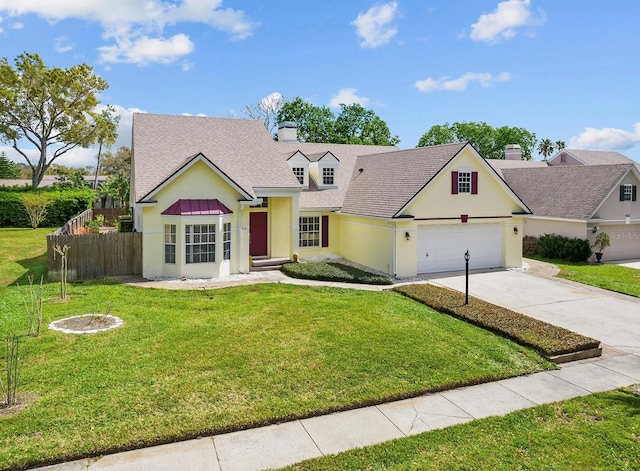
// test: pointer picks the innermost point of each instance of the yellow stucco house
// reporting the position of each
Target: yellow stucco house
(211, 195)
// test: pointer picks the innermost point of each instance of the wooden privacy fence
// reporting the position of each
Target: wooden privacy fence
(96, 256)
(75, 225)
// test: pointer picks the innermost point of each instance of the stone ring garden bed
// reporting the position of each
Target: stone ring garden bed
(86, 324)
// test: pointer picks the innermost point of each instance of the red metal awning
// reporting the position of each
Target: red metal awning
(197, 208)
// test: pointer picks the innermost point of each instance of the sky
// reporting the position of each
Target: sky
(565, 70)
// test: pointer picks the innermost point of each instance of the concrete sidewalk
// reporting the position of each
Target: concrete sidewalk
(613, 319)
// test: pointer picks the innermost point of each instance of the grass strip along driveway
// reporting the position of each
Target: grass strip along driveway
(192, 363)
(600, 431)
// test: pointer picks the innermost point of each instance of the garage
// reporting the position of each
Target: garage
(442, 248)
(625, 242)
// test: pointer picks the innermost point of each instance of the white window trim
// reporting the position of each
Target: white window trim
(190, 242)
(464, 185)
(317, 241)
(172, 242)
(627, 191)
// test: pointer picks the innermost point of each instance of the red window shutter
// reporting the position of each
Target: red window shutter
(454, 183)
(325, 231)
(474, 183)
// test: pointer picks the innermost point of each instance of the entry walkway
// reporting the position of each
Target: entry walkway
(616, 320)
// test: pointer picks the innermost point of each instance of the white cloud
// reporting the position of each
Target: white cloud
(272, 102)
(136, 27)
(143, 50)
(606, 139)
(375, 27)
(16, 25)
(62, 44)
(504, 21)
(347, 96)
(462, 83)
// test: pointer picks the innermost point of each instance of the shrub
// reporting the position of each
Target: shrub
(555, 246)
(65, 205)
(547, 339)
(530, 246)
(125, 223)
(332, 271)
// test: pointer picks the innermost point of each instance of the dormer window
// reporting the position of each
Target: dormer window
(327, 176)
(299, 173)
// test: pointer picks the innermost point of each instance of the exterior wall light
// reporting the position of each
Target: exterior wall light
(515, 230)
(407, 235)
(595, 229)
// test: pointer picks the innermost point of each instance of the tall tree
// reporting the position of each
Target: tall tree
(545, 147)
(357, 125)
(118, 163)
(314, 123)
(266, 110)
(106, 129)
(487, 140)
(50, 108)
(560, 145)
(353, 125)
(8, 169)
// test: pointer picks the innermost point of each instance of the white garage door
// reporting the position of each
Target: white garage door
(442, 248)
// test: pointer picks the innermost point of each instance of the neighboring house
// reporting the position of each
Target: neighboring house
(582, 199)
(211, 194)
(48, 181)
(588, 157)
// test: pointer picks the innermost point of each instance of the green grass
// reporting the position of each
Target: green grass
(333, 271)
(612, 277)
(192, 363)
(601, 431)
(548, 339)
(606, 276)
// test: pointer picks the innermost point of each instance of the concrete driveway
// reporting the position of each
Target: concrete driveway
(611, 318)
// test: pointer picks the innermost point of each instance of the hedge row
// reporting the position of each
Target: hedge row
(547, 339)
(554, 246)
(65, 204)
(332, 271)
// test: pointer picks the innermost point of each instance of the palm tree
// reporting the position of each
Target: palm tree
(545, 148)
(560, 145)
(106, 133)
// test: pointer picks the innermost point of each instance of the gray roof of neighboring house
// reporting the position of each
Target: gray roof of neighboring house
(501, 164)
(596, 157)
(242, 149)
(570, 192)
(346, 155)
(382, 184)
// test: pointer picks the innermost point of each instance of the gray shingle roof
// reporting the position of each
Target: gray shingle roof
(500, 164)
(596, 157)
(572, 192)
(241, 148)
(347, 155)
(388, 181)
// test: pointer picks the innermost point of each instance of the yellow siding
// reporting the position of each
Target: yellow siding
(536, 227)
(367, 241)
(436, 201)
(280, 227)
(197, 182)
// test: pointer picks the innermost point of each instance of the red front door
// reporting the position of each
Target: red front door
(258, 234)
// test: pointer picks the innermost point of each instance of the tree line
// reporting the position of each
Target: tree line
(56, 110)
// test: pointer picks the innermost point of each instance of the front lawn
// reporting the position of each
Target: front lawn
(601, 275)
(192, 363)
(601, 431)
